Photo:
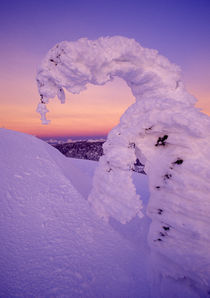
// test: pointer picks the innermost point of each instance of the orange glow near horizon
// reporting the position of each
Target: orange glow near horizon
(93, 112)
(196, 78)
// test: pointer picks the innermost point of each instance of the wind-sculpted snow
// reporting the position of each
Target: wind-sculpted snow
(162, 129)
(52, 243)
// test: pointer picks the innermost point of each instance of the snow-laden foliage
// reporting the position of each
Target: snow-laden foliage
(162, 129)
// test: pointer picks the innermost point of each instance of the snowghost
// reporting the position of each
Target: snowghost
(163, 129)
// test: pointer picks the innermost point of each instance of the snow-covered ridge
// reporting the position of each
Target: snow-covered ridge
(164, 129)
(52, 243)
(82, 149)
(53, 141)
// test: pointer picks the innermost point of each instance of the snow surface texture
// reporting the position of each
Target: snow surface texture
(52, 243)
(164, 130)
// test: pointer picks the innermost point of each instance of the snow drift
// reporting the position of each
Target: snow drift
(52, 244)
(162, 129)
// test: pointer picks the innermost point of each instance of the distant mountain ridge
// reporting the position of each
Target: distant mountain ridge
(82, 149)
(91, 150)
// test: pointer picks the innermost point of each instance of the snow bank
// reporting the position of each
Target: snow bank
(52, 244)
(162, 129)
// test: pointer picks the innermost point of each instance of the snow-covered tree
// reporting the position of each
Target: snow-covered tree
(163, 129)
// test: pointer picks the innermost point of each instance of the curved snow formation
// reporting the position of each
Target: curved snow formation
(162, 128)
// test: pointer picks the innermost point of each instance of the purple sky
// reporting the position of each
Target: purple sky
(179, 30)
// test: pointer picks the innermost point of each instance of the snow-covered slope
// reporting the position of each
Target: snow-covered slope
(52, 243)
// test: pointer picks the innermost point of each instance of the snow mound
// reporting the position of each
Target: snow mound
(52, 244)
(162, 129)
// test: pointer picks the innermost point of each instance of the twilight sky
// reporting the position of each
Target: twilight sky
(178, 29)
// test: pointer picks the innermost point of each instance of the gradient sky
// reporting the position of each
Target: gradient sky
(178, 29)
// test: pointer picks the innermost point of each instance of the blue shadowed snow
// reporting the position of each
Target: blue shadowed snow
(52, 244)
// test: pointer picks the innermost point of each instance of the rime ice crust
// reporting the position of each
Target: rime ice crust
(163, 128)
